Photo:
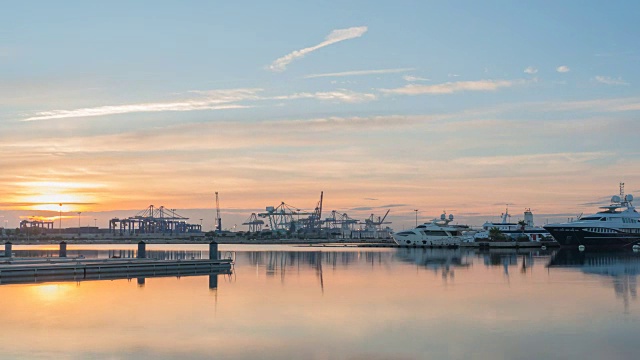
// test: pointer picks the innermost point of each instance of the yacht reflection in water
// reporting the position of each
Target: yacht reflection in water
(621, 267)
(436, 259)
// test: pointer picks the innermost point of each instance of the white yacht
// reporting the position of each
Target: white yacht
(514, 230)
(615, 226)
(436, 233)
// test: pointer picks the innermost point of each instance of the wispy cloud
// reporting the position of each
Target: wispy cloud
(212, 100)
(341, 95)
(595, 105)
(563, 69)
(208, 100)
(530, 70)
(359, 73)
(610, 81)
(411, 78)
(335, 36)
(531, 159)
(451, 87)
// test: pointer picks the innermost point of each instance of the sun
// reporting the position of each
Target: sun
(57, 196)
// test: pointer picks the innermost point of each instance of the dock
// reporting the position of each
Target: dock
(29, 270)
(14, 270)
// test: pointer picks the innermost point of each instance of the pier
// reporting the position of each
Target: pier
(35, 270)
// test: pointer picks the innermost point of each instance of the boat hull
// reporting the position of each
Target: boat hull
(574, 237)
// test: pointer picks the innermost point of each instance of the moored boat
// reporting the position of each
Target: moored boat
(513, 231)
(436, 233)
(615, 226)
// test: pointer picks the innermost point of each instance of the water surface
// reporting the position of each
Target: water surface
(288, 302)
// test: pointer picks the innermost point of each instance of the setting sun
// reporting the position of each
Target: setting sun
(56, 196)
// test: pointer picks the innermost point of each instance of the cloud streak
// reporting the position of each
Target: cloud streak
(340, 95)
(212, 100)
(209, 100)
(450, 87)
(359, 73)
(610, 81)
(335, 36)
(563, 69)
(530, 70)
(411, 78)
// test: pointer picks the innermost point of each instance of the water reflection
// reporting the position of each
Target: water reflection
(439, 260)
(620, 269)
(522, 259)
(501, 304)
(117, 253)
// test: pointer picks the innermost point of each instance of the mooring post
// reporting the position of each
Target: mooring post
(142, 251)
(63, 249)
(213, 281)
(7, 249)
(213, 251)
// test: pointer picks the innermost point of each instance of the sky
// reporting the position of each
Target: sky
(465, 107)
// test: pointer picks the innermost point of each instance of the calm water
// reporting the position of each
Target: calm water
(286, 302)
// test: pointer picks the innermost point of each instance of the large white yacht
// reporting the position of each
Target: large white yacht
(436, 233)
(514, 230)
(615, 226)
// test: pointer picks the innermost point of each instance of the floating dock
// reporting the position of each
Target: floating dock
(30, 270)
(15, 270)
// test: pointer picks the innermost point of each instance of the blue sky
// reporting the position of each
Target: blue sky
(417, 104)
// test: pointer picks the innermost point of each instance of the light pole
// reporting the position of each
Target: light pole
(28, 227)
(200, 224)
(95, 222)
(79, 222)
(60, 220)
(416, 210)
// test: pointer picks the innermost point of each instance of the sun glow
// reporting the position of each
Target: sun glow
(51, 292)
(57, 196)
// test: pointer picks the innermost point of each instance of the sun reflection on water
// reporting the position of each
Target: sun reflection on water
(51, 292)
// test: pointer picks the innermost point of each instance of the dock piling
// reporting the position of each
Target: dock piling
(63, 250)
(7, 249)
(142, 250)
(213, 251)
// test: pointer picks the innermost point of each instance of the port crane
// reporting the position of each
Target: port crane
(373, 224)
(218, 218)
(340, 221)
(153, 220)
(286, 218)
(283, 216)
(255, 224)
